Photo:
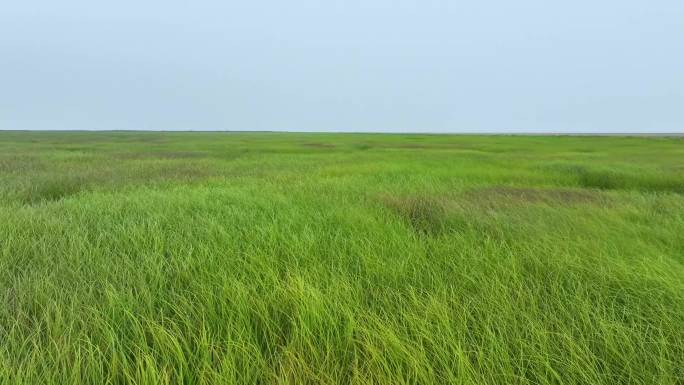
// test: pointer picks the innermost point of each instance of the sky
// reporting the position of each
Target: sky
(343, 65)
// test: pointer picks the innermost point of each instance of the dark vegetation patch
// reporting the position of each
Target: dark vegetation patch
(432, 146)
(615, 179)
(403, 145)
(425, 215)
(137, 138)
(20, 163)
(53, 189)
(526, 195)
(152, 171)
(318, 145)
(182, 171)
(439, 215)
(163, 155)
(409, 145)
(413, 146)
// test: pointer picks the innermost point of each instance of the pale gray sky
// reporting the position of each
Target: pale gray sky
(357, 65)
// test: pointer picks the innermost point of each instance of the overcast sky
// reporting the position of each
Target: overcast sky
(347, 65)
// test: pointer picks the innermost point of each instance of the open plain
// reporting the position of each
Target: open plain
(265, 258)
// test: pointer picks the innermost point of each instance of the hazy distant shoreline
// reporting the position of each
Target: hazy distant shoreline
(622, 134)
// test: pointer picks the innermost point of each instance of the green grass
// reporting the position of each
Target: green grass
(262, 258)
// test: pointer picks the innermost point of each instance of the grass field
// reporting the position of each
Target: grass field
(263, 258)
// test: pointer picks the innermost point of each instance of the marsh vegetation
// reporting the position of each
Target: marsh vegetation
(262, 258)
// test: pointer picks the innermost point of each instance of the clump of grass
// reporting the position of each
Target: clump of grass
(620, 179)
(424, 215)
(52, 188)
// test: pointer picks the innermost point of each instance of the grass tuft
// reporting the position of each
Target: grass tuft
(426, 216)
(622, 179)
(53, 189)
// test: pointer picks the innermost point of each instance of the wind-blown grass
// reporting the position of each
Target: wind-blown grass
(199, 258)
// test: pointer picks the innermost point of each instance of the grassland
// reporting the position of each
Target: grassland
(259, 258)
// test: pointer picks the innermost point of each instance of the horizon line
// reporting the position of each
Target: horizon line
(483, 133)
